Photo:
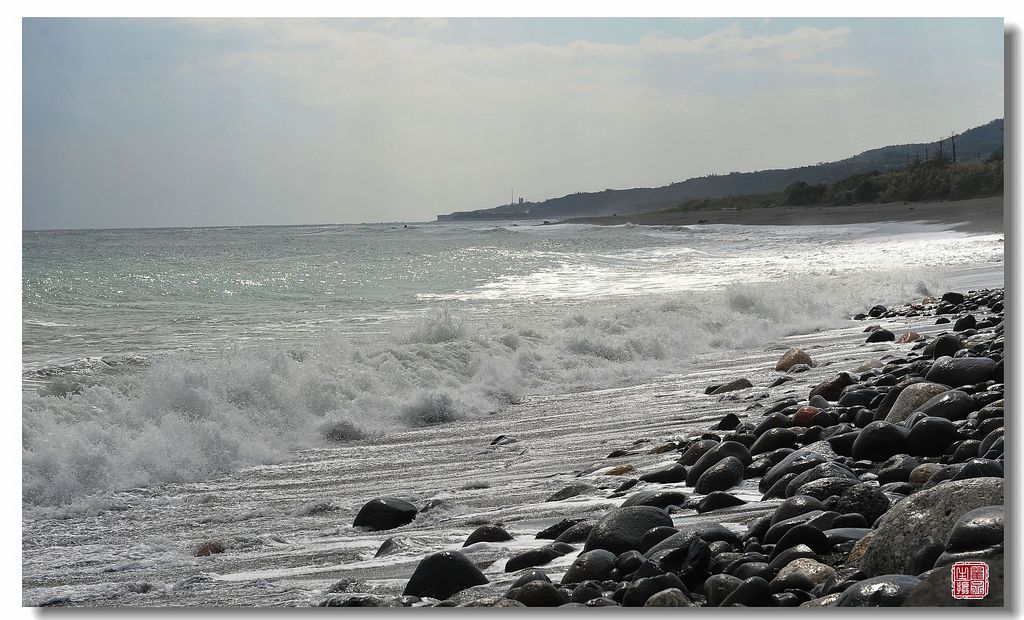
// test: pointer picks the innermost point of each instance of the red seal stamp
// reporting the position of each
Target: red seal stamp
(969, 580)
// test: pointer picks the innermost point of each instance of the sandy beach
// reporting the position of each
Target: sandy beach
(976, 215)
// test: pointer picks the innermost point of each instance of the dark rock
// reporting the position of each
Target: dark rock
(753, 592)
(829, 469)
(802, 534)
(910, 398)
(654, 536)
(976, 529)
(801, 574)
(487, 533)
(930, 436)
(533, 557)
(594, 565)
(728, 423)
(952, 405)
(924, 558)
(708, 532)
(979, 468)
(629, 561)
(586, 591)
(793, 553)
(670, 473)
(602, 601)
(718, 500)
(576, 534)
(953, 298)
(441, 575)
(571, 491)
(791, 358)
(795, 463)
(897, 469)
(824, 488)
(881, 335)
(832, 388)
(696, 450)
(882, 591)
(754, 569)
(529, 576)
(732, 386)
(671, 597)
(878, 441)
(839, 535)
(718, 587)
(794, 506)
(965, 322)
(639, 591)
(713, 456)
(725, 474)
(385, 513)
(851, 519)
(773, 439)
(961, 370)
(622, 529)
(555, 530)
(540, 594)
(946, 344)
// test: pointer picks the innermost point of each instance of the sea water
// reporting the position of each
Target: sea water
(176, 355)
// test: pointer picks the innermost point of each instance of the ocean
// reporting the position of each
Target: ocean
(187, 384)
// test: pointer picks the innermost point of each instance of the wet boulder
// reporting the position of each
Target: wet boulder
(622, 529)
(441, 575)
(385, 513)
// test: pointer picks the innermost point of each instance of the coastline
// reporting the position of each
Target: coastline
(304, 508)
(975, 215)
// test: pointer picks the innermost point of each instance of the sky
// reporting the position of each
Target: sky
(214, 122)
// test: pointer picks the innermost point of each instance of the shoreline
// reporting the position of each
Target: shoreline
(485, 483)
(976, 215)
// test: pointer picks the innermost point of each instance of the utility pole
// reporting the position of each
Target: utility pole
(952, 140)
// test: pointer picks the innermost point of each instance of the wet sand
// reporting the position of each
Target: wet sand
(975, 215)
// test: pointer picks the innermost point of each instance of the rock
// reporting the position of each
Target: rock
(555, 530)
(657, 499)
(946, 344)
(839, 535)
(977, 529)
(832, 388)
(923, 472)
(952, 405)
(571, 491)
(725, 474)
(911, 398)
(930, 436)
(732, 386)
(793, 553)
(796, 463)
(529, 576)
(540, 594)
(829, 469)
(596, 565)
(586, 591)
(953, 298)
(670, 597)
(930, 513)
(801, 574)
(619, 470)
(718, 587)
(696, 450)
(955, 371)
(640, 590)
(385, 513)
(670, 473)
(487, 533)
(795, 506)
(718, 500)
(882, 591)
(878, 441)
(622, 529)
(805, 535)
(909, 337)
(936, 590)
(897, 469)
(979, 468)
(924, 558)
(881, 335)
(773, 439)
(792, 357)
(965, 322)
(713, 456)
(863, 499)
(753, 592)
(708, 532)
(441, 575)
(536, 557)
(576, 534)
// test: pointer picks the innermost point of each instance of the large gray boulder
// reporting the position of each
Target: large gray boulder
(622, 529)
(911, 398)
(927, 514)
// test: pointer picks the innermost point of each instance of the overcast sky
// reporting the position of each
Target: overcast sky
(230, 122)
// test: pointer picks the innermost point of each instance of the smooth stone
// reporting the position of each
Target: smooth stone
(555, 530)
(860, 397)
(793, 553)
(718, 587)
(713, 456)
(961, 370)
(639, 591)
(596, 565)
(881, 335)
(441, 575)
(630, 561)
(795, 463)
(732, 386)
(533, 557)
(721, 476)
(753, 592)
(829, 469)
(911, 398)
(622, 529)
(930, 436)
(897, 468)
(529, 576)
(930, 513)
(487, 533)
(773, 439)
(791, 358)
(696, 450)
(878, 441)
(943, 345)
(385, 513)
(952, 405)
(923, 472)
(586, 591)
(754, 569)
(824, 488)
(796, 505)
(728, 423)
(851, 519)
(801, 574)
(602, 601)
(654, 536)
(965, 322)
(979, 468)
(572, 490)
(718, 500)
(708, 532)
(576, 534)
(924, 558)
(839, 535)
(803, 534)
(882, 591)
(657, 499)
(668, 474)
(976, 529)
(831, 388)
(670, 597)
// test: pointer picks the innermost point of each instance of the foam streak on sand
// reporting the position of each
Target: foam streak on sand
(135, 548)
